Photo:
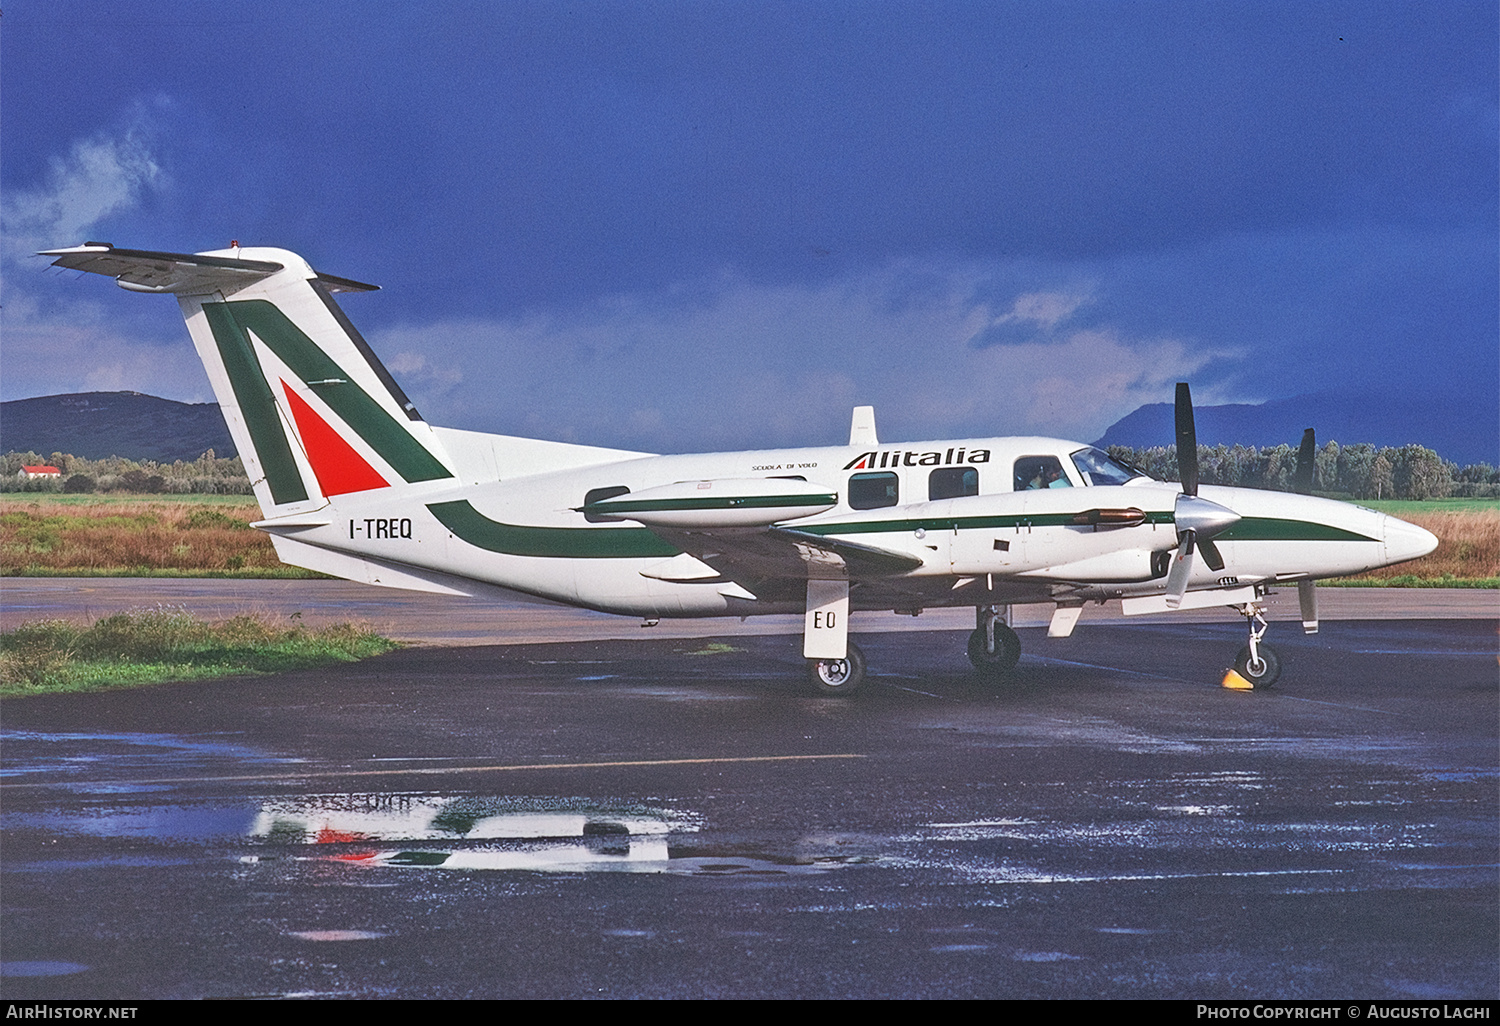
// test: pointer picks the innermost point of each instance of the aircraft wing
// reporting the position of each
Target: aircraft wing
(753, 557)
(730, 525)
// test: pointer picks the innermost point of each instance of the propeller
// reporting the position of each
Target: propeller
(1198, 520)
(1302, 482)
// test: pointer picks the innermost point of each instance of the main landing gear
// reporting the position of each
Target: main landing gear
(838, 676)
(1257, 664)
(994, 648)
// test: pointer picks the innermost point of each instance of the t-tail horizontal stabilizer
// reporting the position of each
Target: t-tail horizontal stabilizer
(313, 411)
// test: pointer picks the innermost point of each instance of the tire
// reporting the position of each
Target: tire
(1007, 654)
(837, 676)
(1264, 675)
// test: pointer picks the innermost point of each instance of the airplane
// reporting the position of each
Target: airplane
(353, 482)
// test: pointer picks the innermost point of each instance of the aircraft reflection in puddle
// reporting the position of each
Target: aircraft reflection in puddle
(557, 835)
(481, 833)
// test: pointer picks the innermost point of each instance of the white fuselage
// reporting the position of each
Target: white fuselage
(527, 534)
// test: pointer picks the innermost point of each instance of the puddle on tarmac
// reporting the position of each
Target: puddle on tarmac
(397, 831)
(419, 831)
(332, 818)
(498, 834)
(472, 832)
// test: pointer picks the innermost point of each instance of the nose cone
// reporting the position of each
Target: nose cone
(1405, 541)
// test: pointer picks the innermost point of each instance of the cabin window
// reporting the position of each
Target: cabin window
(1100, 468)
(1034, 472)
(599, 495)
(872, 491)
(952, 482)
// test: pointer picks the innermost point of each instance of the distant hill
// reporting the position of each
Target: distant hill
(97, 425)
(1462, 435)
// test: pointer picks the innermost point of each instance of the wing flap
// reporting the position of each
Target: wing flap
(751, 557)
(860, 560)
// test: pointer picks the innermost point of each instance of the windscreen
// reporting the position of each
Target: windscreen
(1099, 468)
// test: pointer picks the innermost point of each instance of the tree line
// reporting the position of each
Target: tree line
(207, 475)
(1360, 471)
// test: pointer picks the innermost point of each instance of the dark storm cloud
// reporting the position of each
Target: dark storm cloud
(1285, 194)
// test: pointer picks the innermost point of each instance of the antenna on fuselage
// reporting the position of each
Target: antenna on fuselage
(862, 427)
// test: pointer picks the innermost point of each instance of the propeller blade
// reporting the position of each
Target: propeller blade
(1307, 598)
(1211, 557)
(1180, 570)
(1187, 441)
(1302, 482)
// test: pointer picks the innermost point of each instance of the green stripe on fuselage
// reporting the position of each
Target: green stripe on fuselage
(1273, 529)
(358, 409)
(474, 527)
(257, 406)
(1247, 529)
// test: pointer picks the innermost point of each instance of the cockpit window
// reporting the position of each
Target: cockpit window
(1040, 472)
(1100, 468)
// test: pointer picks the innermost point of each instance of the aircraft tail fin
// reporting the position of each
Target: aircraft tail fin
(313, 411)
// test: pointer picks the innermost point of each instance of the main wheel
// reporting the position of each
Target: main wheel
(837, 676)
(999, 662)
(1262, 674)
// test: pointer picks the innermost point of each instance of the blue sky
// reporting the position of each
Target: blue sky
(693, 226)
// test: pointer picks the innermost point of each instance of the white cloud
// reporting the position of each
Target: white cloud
(62, 339)
(1044, 309)
(101, 175)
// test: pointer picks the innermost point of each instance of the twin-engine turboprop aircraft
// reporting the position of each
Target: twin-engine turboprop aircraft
(353, 482)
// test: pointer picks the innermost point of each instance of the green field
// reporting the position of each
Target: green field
(1404, 507)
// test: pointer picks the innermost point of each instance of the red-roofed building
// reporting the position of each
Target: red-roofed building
(32, 473)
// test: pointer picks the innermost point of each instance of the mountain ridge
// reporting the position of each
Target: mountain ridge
(98, 425)
(1347, 418)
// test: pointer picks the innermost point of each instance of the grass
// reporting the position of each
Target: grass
(1403, 507)
(1468, 552)
(156, 646)
(108, 498)
(142, 537)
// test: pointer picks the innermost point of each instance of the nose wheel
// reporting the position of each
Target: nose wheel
(1261, 668)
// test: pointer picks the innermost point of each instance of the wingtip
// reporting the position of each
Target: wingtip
(87, 247)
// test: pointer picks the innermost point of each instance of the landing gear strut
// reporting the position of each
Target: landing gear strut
(994, 648)
(1257, 662)
(838, 676)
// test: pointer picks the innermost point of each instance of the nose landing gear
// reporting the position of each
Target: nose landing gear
(1257, 665)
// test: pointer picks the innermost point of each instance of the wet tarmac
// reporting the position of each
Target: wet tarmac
(509, 619)
(680, 818)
